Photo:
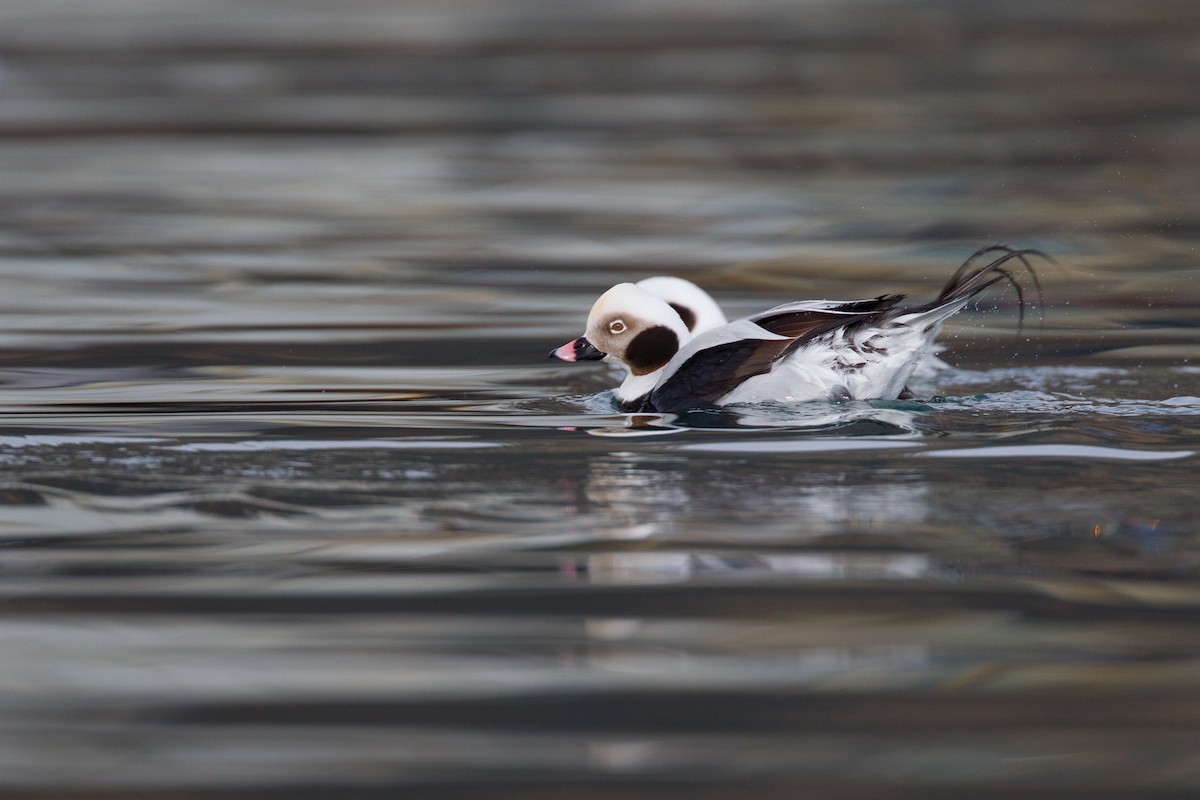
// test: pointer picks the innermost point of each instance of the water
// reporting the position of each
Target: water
(292, 503)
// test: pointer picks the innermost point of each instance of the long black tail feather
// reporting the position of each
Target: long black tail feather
(969, 280)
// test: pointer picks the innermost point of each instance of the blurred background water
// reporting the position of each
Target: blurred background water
(292, 504)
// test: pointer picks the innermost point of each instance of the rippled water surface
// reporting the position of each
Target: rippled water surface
(292, 503)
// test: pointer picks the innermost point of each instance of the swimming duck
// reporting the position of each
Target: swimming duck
(799, 351)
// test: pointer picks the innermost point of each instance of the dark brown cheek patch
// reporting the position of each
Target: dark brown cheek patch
(651, 349)
(685, 314)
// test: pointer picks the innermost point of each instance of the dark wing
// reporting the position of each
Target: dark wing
(714, 372)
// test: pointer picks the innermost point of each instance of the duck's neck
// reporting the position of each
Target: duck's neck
(636, 387)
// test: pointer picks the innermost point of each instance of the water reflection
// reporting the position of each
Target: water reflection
(851, 419)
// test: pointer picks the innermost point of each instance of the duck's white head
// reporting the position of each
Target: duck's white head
(695, 307)
(633, 328)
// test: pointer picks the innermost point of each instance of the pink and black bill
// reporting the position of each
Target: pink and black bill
(577, 350)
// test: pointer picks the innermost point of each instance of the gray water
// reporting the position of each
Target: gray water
(292, 503)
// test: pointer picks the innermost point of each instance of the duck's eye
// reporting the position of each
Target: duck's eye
(617, 326)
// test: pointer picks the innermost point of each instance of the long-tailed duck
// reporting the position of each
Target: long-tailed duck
(805, 350)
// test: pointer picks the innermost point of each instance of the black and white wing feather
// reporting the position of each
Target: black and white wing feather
(715, 363)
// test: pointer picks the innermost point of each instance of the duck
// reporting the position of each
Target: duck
(833, 350)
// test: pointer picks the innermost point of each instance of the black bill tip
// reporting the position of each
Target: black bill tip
(577, 350)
